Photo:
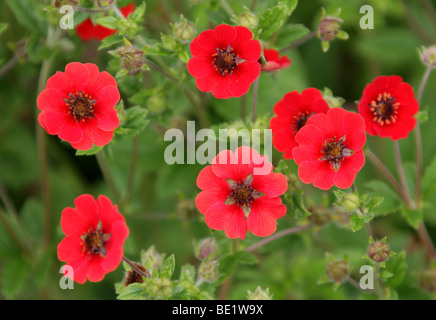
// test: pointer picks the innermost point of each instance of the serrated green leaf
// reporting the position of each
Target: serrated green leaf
(168, 267)
(108, 22)
(290, 5)
(187, 273)
(271, 21)
(110, 41)
(134, 291)
(138, 14)
(397, 266)
(356, 223)
(413, 217)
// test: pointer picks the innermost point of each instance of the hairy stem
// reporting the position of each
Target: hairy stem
(400, 169)
(132, 265)
(388, 175)
(276, 236)
(254, 102)
(418, 138)
(299, 41)
(43, 162)
(104, 167)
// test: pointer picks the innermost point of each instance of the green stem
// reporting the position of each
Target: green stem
(132, 173)
(388, 175)
(104, 167)
(299, 41)
(401, 174)
(15, 237)
(254, 102)
(227, 8)
(276, 236)
(418, 139)
(43, 162)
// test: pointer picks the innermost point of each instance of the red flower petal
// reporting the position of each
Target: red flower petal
(87, 218)
(229, 218)
(212, 75)
(263, 215)
(346, 174)
(391, 93)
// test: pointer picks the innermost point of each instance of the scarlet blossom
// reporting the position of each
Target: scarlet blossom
(388, 106)
(225, 61)
(240, 193)
(293, 111)
(273, 61)
(95, 233)
(87, 30)
(78, 106)
(329, 150)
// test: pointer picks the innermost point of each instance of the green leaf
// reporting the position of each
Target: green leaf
(168, 267)
(3, 27)
(187, 273)
(356, 223)
(89, 152)
(290, 5)
(108, 22)
(246, 257)
(110, 41)
(138, 14)
(397, 266)
(271, 21)
(134, 291)
(413, 217)
(428, 188)
(134, 122)
(13, 277)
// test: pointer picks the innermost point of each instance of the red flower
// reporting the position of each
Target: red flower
(330, 149)
(94, 237)
(87, 30)
(388, 106)
(292, 112)
(240, 192)
(273, 61)
(225, 61)
(78, 106)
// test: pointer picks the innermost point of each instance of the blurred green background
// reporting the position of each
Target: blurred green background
(161, 211)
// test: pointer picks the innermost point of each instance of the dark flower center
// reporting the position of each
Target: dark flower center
(335, 151)
(225, 60)
(384, 109)
(242, 194)
(94, 240)
(301, 120)
(80, 105)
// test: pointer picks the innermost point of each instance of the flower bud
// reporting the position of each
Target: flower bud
(337, 270)
(208, 270)
(184, 30)
(131, 59)
(207, 248)
(428, 56)
(161, 288)
(259, 294)
(151, 259)
(330, 29)
(378, 251)
(248, 19)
